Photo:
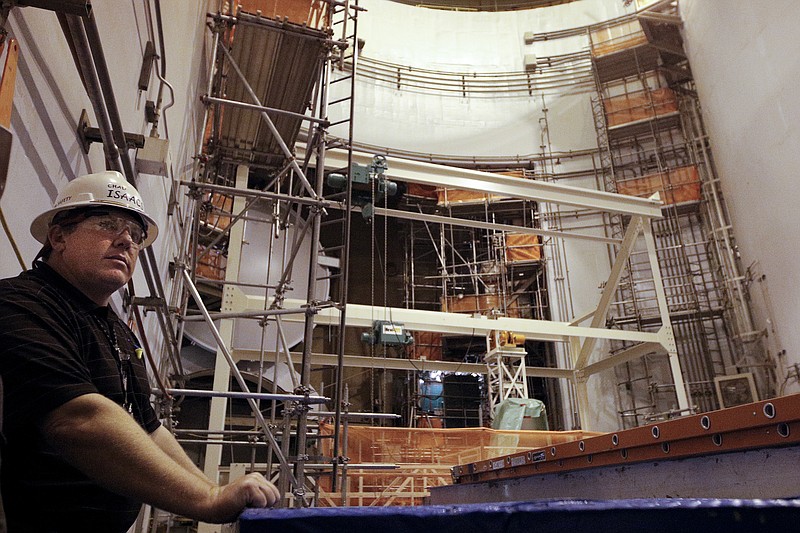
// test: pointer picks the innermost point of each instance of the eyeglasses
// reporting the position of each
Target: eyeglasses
(114, 226)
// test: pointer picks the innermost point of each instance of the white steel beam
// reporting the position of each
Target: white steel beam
(493, 183)
(610, 287)
(391, 363)
(449, 323)
(634, 352)
(666, 332)
(222, 371)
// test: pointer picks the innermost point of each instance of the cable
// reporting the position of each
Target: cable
(12, 241)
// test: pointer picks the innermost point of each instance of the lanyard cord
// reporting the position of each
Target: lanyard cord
(122, 359)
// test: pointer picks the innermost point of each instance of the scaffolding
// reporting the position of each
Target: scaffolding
(489, 269)
(652, 140)
(254, 227)
(472, 240)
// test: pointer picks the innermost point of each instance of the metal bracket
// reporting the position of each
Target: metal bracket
(88, 135)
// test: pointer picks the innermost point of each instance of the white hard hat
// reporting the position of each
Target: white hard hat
(103, 189)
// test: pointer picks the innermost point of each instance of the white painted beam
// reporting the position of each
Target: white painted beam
(494, 183)
(448, 323)
(391, 363)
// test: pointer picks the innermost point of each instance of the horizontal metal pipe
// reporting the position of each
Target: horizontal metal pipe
(250, 314)
(355, 415)
(251, 193)
(245, 395)
(253, 107)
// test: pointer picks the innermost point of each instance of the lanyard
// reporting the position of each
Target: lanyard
(123, 360)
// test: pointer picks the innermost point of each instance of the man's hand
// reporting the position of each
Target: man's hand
(228, 501)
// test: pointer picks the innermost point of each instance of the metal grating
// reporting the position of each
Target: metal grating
(282, 68)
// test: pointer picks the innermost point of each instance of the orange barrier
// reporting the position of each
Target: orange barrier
(423, 191)
(424, 458)
(446, 197)
(427, 345)
(522, 247)
(214, 210)
(639, 105)
(677, 185)
(484, 304)
(213, 264)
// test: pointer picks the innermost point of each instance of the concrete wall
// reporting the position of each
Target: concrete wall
(466, 42)
(745, 58)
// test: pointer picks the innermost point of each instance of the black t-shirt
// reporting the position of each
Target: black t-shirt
(55, 345)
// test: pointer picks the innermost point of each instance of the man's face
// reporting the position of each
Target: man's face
(98, 254)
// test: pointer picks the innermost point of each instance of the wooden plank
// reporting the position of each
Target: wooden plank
(7, 84)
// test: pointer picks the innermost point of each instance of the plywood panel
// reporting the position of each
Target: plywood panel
(522, 247)
(309, 12)
(677, 185)
(639, 105)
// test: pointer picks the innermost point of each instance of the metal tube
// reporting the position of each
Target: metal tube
(101, 68)
(253, 107)
(174, 356)
(344, 287)
(287, 471)
(74, 32)
(260, 194)
(251, 314)
(248, 395)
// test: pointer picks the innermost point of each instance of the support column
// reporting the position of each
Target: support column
(579, 382)
(222, 372)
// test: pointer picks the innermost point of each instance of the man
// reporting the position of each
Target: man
(84, 446)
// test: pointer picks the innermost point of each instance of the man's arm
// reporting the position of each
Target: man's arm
(99, 438)
(166, 441)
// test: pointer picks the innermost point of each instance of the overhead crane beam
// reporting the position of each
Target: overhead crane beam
(493, 183)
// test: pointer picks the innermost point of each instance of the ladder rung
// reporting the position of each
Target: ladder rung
(337, 80)
(340, 100)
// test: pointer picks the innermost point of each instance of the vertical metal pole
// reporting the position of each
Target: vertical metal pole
(345, 257)
(346, 400)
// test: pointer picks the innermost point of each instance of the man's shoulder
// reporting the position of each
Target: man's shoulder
(28, 280)
(29, 284)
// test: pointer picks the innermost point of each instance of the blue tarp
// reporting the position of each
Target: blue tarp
(546, 516)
